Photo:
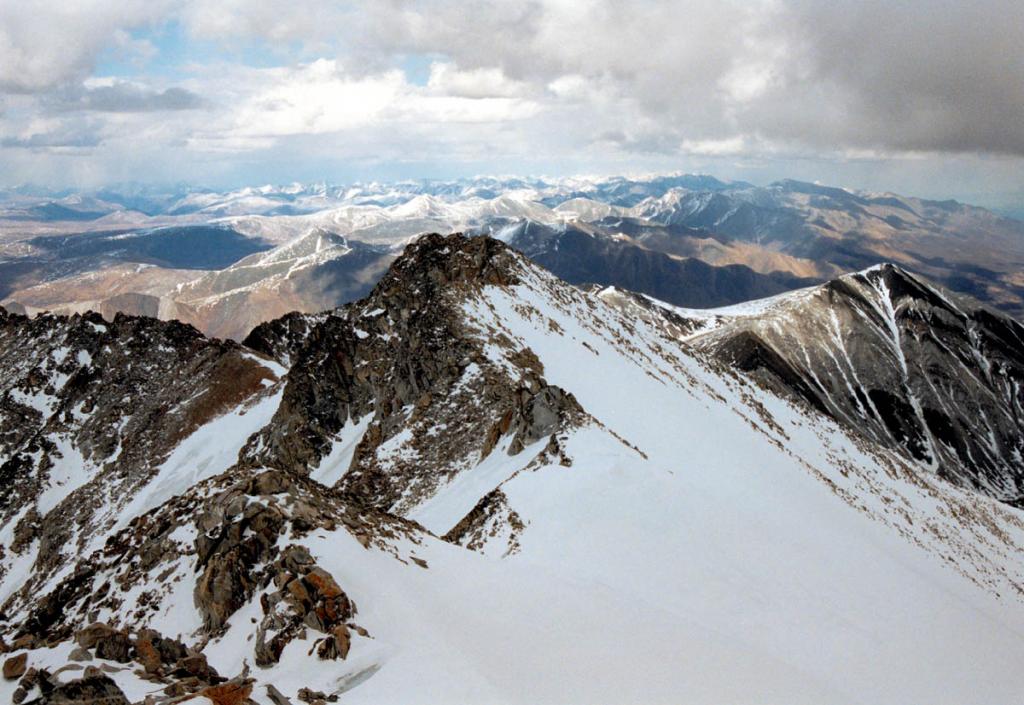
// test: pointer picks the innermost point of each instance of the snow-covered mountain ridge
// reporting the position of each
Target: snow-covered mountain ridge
(481, 484)
(886, 353)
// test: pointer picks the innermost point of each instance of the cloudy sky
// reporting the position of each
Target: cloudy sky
(918, 96)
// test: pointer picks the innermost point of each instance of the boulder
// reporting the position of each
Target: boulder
(79, 654)
(155, 652)
(276, 696)
(15, 666)
(90, 636)
(106, 642)
(233, 692)
(195, 665)
(94, 689)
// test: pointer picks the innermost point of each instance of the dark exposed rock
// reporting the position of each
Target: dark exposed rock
(227, 554)
(746, 351)
(79, 654)
(307, 597)
(403, 356)
(121, 393)
(156, 652)
(491, 514)
(894, 358)
(107, 642)
(311, 696)
(115, 648)
(541, 414)
(195, 666)
(38, 678)
(89, 637)
(239, 519)
(94, 689)
(47, 613)
(276, 696)
(336, 645)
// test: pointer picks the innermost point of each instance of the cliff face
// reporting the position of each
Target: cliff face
(420, 387)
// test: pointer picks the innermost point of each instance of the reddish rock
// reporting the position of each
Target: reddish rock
(15, 666)
(146, 652)
(323, 583)
(230, 693)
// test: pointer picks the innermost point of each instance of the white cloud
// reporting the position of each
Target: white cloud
(323, 98)
(314, 99)
(43, 44)
(312, 21)
(448, 79)
(571, 86)
(731, 146)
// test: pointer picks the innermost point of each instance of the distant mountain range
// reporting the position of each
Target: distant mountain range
(217, 260)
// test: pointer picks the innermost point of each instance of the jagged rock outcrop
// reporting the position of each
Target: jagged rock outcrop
(403, 356)
(307, 596)
(238, 520)
(435, 404)
(89, 409)
(95, 688)
(493, 521)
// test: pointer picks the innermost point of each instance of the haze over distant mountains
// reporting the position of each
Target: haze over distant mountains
(226, 261)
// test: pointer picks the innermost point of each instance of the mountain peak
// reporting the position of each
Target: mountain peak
(457, 258)
(896, 283)
(894, 356)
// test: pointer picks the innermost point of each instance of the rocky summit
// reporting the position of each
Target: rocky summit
(480, 483)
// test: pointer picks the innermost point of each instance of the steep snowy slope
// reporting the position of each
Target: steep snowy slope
(536, 498)
(894, 357)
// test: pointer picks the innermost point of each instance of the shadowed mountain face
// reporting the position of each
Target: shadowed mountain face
(582, 257)
(193, 247)
(355, 502)
(72, 264)
(316, 272)
(934, 374)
